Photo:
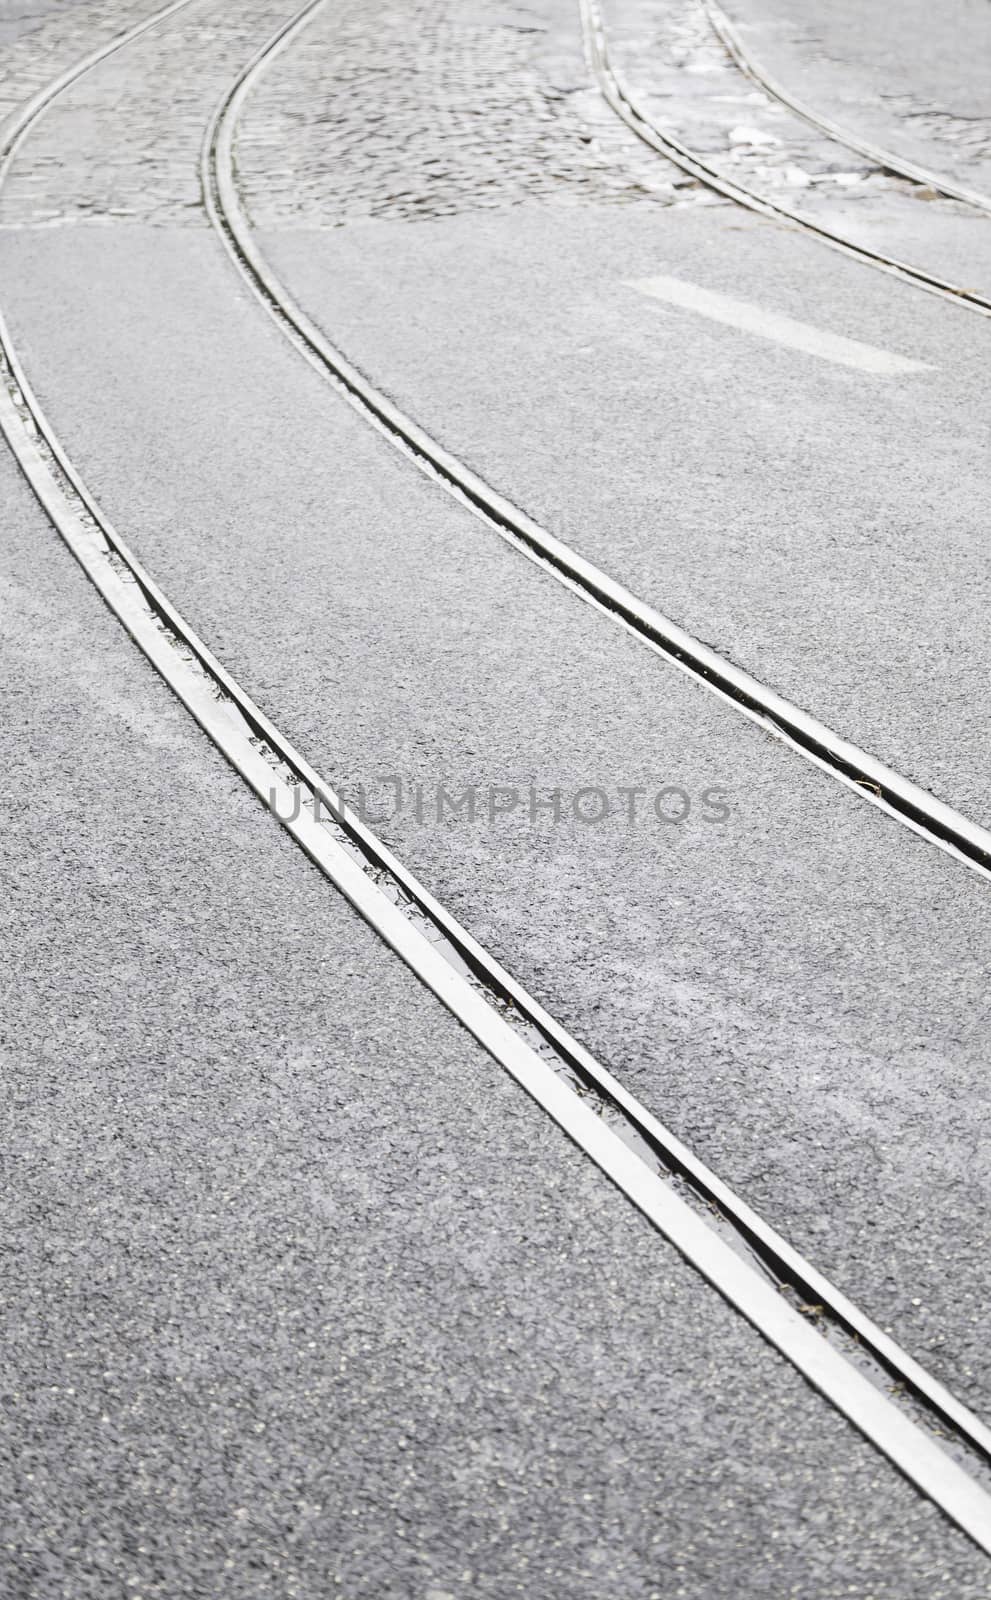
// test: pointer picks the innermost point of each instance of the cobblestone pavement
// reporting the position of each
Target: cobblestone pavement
(437, 109)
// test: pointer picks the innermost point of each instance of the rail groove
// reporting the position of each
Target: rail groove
(729, 37)
(619, 97)
(733, 1248)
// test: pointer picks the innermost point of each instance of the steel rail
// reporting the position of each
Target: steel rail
(618, 96)
(491, 1005)
(873, 780)
(900, 166)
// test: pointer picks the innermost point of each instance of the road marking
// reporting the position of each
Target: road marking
(773, 325)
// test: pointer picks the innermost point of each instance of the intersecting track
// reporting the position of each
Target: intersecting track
(900, 166)
(843, 1354)
(621, 99)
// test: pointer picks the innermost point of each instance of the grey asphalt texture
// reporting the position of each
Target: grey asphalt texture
(388, 633)
(302, 1296)
(801, 990)
(821, 528)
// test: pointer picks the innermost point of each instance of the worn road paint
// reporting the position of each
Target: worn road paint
(777, 327)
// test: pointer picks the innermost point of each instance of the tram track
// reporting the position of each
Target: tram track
(733, 1248)
(628, 106)
(898, 165)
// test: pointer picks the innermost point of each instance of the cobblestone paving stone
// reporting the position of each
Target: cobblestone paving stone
(434, 110)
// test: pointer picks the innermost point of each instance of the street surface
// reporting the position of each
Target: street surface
(305, 1297)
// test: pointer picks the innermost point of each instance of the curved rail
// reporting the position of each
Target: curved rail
(900, 166)
(741, 1256)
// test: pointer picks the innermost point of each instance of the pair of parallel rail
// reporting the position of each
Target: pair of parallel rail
(842, 1353)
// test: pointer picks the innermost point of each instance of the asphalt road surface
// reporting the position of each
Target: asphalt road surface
(304, 1296)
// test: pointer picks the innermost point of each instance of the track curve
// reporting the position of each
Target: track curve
(410, 922)
(624, 103)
